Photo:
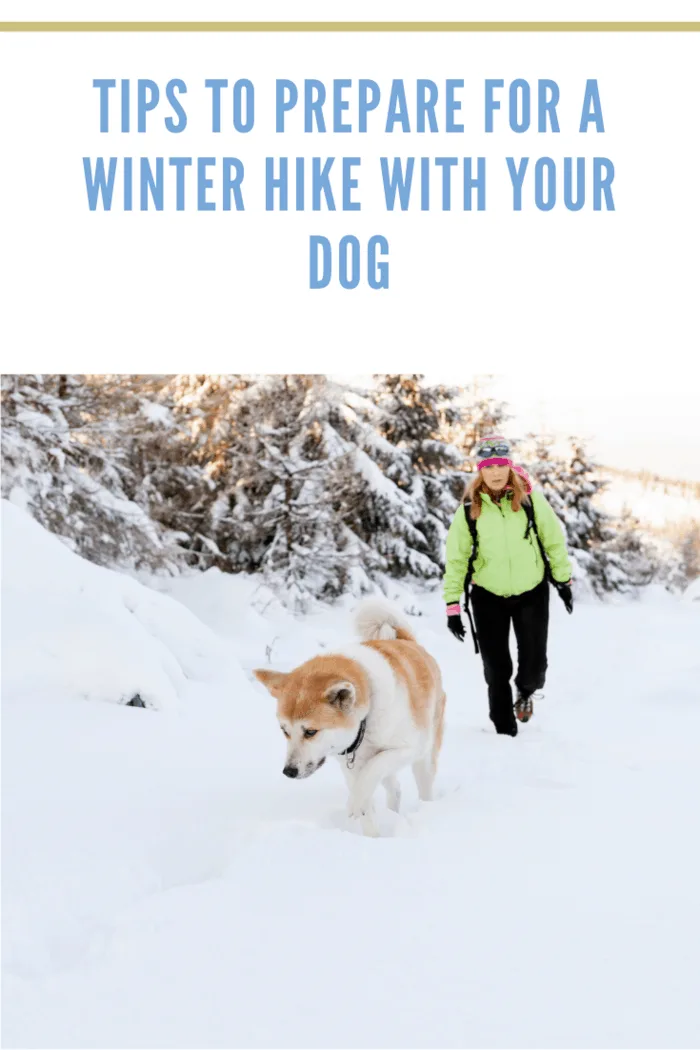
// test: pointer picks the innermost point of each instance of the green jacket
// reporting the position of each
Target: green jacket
(506, 562)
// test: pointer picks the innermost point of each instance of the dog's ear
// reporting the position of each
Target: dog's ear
(270, 679)
(341, 695)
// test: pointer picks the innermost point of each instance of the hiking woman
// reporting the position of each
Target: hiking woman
(520, 546)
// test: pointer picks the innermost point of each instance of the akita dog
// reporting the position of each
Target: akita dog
(377, 705)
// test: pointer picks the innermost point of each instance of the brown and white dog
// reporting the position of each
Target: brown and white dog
(377, 706)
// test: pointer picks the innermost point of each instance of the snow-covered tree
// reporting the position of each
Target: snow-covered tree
(379, 466)
(610, 554)
(201, 471)
(268, 449)
(635, 556)
(288, 455)
(322, 502)
(481, 416)
(378, 491)
(320, 486)
(64, 459)
(420, 418)
(689, 553)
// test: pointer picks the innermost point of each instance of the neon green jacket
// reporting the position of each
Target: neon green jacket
(506, 562)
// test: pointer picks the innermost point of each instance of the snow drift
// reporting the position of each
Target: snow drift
(73, 629)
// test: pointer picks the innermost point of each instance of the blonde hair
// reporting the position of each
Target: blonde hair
(478, 486)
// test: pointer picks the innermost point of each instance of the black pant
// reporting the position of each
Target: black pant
(529, 613)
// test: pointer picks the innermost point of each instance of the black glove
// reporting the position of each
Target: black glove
(566, 596)
(456, 627)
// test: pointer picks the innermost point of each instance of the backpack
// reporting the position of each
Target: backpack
(529, 509)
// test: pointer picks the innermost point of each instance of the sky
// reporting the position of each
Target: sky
(641, 422)
(646, 422)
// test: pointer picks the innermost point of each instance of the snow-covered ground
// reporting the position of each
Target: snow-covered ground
(165, 886)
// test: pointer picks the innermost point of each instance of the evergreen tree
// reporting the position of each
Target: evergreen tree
(631, 553)
(271, 448)
(689, 551)
(374, 490)
(64, 459)
(420, 419)
(481, 416)
(610, 555)
(331, 508)
(207, 474)
(296, 535)
(321, 487)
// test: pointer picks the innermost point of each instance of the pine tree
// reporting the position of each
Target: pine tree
(63, 453)
(689, 550)
(634, 557)
(270, 451)
(374, 492)
(204, 478)
(610, 554)
(296, 535)
(419, 419)
(331, 502)
(481, 416)
(321, 487)
(381, 462)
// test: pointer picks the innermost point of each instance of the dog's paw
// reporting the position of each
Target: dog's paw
(359, 808)
(360, 813)
(369, 828)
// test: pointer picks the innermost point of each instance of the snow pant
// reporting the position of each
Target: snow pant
(529, 614)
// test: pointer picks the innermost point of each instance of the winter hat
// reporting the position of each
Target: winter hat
(494, 451)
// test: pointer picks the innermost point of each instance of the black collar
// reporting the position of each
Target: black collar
(357, 741)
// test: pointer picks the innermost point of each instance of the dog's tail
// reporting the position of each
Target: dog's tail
(376, 618)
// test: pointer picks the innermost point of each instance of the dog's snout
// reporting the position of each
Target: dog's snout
(291, 771)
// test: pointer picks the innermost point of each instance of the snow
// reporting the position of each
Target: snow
(72, 629)
(156, 413)
(692, 592)
(165, 886)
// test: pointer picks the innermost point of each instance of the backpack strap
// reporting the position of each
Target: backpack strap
(470, 570)
(529, 508)
(475, 544)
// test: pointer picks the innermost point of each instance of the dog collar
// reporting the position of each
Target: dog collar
(356, 742)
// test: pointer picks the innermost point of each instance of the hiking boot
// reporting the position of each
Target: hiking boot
(523, 706)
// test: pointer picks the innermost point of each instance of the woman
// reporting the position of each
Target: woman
(510, 578)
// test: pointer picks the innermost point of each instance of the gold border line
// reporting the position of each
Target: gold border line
(349, 27)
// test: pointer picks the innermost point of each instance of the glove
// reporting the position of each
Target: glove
(455, 626)
(564, 590)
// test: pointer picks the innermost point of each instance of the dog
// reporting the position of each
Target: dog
(377, 706)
